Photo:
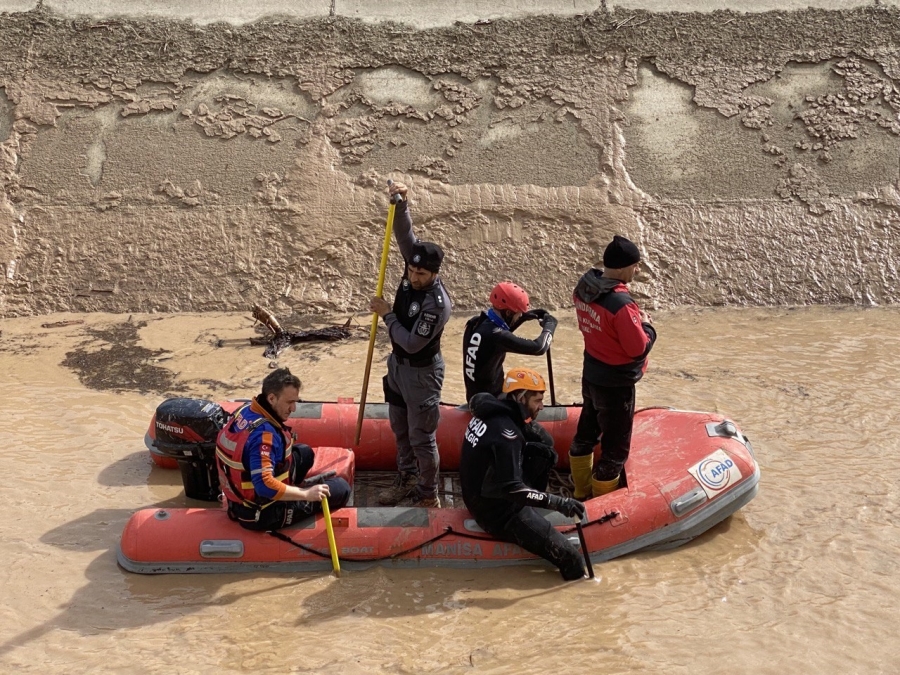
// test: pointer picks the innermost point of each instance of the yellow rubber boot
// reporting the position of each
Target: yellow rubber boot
(602, 487)
(581, 475)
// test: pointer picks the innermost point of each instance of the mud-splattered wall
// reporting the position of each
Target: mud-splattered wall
(163, 165)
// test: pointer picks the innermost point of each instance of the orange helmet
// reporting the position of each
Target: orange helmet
(523, 378)
(507, 295)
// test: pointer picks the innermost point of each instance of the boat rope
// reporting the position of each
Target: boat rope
(327, 554)
(599, 521)
(446, 533)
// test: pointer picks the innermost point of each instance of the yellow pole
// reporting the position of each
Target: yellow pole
(332, 544)
(385, 250)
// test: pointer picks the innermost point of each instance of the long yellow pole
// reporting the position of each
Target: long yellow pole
(379, 289)
(332, 544)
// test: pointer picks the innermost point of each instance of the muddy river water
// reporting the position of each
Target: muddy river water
(802, 580)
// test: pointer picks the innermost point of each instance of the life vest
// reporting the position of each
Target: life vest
(234, 477)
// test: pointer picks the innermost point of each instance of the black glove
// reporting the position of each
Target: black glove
(541, 450)
(548, 322)
(533, 314)
(567, 506)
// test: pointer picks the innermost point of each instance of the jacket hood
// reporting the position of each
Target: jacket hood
(486, 406)
(593, 284)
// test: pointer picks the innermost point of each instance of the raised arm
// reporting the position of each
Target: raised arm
(403, 231)
(514, 344)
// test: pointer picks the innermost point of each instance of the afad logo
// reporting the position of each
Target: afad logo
(716, 472)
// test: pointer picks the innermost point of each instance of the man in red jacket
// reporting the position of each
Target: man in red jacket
(618, 337)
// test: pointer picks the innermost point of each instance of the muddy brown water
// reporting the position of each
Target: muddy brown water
(802, 580)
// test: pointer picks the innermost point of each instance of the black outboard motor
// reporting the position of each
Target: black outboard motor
(186, 430)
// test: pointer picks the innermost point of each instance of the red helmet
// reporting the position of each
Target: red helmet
(506, 295)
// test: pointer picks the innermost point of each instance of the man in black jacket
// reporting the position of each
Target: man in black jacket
(504, 477)
(488, 337)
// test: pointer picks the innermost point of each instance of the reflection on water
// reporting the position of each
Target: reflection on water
(801, 580)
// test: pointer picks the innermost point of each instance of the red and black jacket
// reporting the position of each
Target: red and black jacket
(616, 341)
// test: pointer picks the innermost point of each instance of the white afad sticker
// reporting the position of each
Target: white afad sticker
(716, 473)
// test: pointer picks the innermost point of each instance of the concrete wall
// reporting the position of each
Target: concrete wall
(417, 13)
(191, 156)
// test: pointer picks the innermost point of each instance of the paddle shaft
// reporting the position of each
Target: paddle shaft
(332, 544)
(379, 289)
(550, 377)
(584, 550)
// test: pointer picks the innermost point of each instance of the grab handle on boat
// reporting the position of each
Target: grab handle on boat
(686, 502)
(221, 548)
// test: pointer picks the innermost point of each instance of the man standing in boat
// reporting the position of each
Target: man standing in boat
(504, 476)
(618, 336)
(412, 386)
(261, 470)
(489, 336)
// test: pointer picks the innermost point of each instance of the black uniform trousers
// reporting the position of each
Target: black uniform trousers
(607, 416)
(282, 513)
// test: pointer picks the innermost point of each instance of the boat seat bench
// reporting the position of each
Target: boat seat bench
(340, 460)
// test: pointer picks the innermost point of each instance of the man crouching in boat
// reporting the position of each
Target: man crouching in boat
(260, 469)
(504, 477)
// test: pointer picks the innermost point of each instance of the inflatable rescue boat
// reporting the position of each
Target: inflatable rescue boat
(687, 471)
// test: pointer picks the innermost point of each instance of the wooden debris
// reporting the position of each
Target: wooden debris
(282, 339)
(267, 319)
(62, 324)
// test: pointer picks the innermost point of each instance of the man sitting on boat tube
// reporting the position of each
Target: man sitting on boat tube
(261, 469)
(504, 477)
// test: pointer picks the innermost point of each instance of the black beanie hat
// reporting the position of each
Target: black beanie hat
(427, 255)
(620, 253)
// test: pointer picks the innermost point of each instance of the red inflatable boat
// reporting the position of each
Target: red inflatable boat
(687, 472)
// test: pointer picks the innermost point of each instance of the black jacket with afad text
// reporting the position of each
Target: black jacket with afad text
(490, 469)
(485, 345)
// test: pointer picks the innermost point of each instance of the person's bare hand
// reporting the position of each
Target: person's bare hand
(645, 317)
(317, 492)
(380, 306)
(398, 189)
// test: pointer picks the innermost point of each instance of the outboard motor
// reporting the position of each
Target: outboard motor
(186, 430)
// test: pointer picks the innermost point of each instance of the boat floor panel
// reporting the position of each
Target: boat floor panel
(368, 484)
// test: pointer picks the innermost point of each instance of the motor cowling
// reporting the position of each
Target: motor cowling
(186, 430)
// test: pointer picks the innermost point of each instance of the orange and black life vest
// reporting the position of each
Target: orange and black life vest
(234, 475)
